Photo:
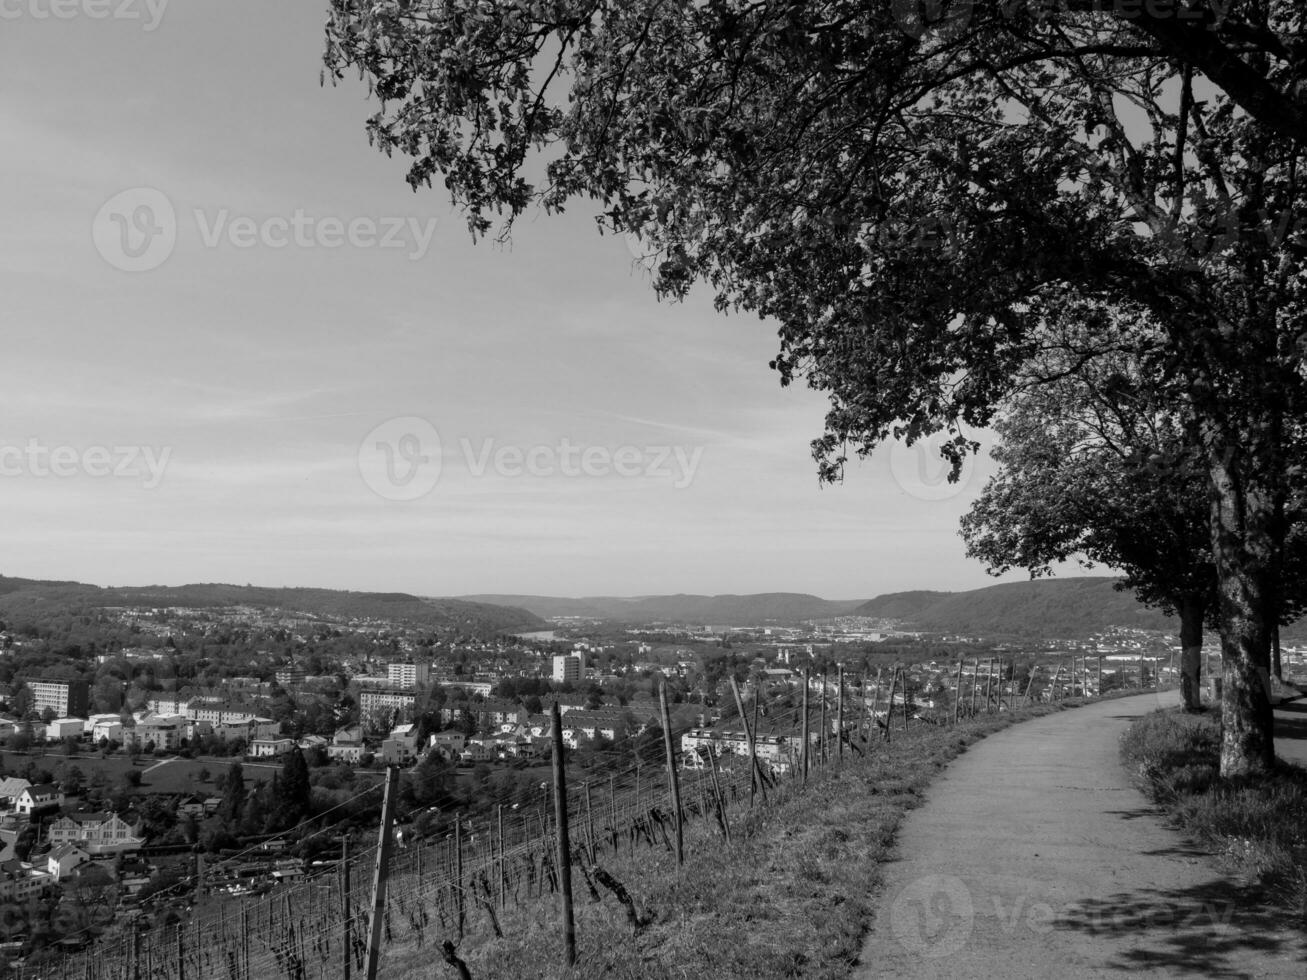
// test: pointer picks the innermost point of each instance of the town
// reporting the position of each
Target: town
(156, 757)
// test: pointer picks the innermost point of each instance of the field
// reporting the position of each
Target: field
(169, 775)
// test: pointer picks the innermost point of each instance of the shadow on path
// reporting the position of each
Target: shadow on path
(1207, 930)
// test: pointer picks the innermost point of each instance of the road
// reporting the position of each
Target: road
(1034, 856)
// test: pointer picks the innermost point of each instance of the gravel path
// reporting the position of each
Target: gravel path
(1034, 856)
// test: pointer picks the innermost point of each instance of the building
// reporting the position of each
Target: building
(400, 749)
(569, 667)
(161, 734)
(291, 676)
(20, 881)
(11, 787)
(264, 748)
(385, 707)
(408, 676)
(97, 832)
(64, 698)
(63, 859)
(346, 746)
(62, 728)
(37, 798)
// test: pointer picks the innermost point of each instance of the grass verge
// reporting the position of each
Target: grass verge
(1258, 828)
(791, 896)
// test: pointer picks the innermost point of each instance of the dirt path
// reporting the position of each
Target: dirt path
(1034, 856)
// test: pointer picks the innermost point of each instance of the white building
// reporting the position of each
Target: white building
(569, 667)
(407, 676)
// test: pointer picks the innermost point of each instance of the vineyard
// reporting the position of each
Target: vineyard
(438, 891)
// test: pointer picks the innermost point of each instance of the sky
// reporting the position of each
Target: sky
(238, 348)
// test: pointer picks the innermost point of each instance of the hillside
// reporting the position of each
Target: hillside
(1056, 608)
(26, 596)
(719, 610)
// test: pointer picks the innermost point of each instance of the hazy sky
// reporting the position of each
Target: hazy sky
(239, 348)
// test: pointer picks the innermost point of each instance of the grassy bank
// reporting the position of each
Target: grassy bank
(791, 895)
(1257, 827)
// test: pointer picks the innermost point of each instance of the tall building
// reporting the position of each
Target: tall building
(569, 667)
(380, 709)
(65, 698)
(408, 676)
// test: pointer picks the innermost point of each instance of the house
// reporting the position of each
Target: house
(106, 727)
(20, 881)
(96, 832)
(62, 728)
(11, 787)
(448, 744)
(269, 747)
(34, 799)
(309, 742)
(346, 746)
(192, 805)
(401, 747)
(477, 750)
(159, 733)
(63, 859)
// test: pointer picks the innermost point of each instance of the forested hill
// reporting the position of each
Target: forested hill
(1059, 608)
(28, 597)
(703, 610)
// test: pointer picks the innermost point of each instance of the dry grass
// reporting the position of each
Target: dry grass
(793, 895)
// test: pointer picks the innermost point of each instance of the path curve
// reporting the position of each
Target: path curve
(1034, 856)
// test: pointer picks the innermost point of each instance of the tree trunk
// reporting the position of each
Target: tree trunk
(1277, 667)
(1243, 547)
(1191, 653)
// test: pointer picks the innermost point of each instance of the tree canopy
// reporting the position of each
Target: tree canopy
(918, 205)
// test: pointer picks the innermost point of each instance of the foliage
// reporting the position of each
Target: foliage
(920, 209)
(233, 795)
(293, 792)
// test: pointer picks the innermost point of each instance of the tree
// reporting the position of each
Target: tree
(293, 791)
(233, 795)
(913, 202)
(1092, 466)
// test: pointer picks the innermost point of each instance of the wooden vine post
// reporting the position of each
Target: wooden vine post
(384, 842)
(672, 779)
(839, 713)
(824, 729)
(345, 913)
(804, 749)
(755, 773)
(889, 704)
(564, 844)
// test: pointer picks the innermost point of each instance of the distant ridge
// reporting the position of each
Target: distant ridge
(698, 610)
(19, 596)
(1058, 608)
